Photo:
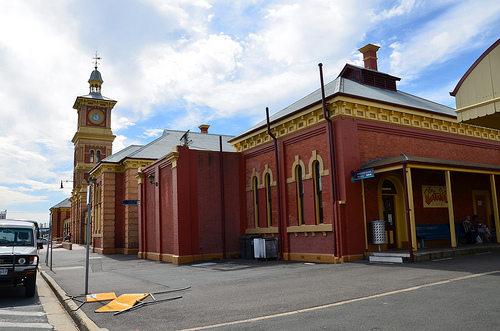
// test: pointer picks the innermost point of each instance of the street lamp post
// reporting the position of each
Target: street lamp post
(89, 203)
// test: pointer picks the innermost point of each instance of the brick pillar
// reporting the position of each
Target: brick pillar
(131, 212)
(108, 212)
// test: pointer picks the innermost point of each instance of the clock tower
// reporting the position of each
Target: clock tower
(93, 142)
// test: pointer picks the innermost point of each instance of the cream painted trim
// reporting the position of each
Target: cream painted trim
(411, 207)
(451, 217)
(366, 110)
(296, 163)
(173, 157)
(310, 229)
(457, 169)
(264, 231)
(308, 257)
(381, 170)
(316, 157)
(495, 205)
(267, 170)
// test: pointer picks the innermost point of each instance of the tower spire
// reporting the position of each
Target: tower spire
(96, 58)
(95, 80)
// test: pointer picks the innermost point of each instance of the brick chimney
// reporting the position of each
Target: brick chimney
(370, 56)
(204, 128)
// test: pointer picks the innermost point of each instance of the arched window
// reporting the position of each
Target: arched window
(91, 156)
(269, 201)
(318, 193)
(256, 201)
(300, 195)
(98, 156)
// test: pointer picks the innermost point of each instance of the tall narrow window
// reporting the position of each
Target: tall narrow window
(318, 193)
(91, 156)
(269, 201)
(98, 156)
(256, 201)
(300, 195)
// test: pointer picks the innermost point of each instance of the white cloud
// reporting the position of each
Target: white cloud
(176, 64)
(443, 37)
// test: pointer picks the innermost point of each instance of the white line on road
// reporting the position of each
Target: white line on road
(21, 313)
(25, 325)
(343, 302)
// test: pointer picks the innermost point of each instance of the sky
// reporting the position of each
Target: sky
(178, 64)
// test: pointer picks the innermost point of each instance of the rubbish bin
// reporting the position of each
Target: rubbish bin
(378, 233)
(265, 248)
(246, 246)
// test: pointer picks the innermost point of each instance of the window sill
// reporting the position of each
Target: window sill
(312, 229)
(263, 231)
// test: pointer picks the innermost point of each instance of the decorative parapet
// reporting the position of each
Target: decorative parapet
(370, 111)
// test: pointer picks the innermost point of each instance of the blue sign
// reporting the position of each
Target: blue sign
(131, 202)
(362, 174)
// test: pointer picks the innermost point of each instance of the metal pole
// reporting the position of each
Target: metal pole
(276, 155)
(49, 245)
(331, 145)
(89, 202)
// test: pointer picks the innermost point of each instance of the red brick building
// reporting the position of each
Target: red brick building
(315, 177)
(191, 207)
(61, 218)
(414, 148)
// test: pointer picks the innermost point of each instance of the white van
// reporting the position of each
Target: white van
(18, 254)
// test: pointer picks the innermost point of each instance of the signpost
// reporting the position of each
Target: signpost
(362, 174)
(130, 202)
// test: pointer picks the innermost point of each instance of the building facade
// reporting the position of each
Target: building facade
(60, 215)
(413, 148)
(315, 175)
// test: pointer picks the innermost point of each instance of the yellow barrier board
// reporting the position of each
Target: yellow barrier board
(124, 301)
(101, 297)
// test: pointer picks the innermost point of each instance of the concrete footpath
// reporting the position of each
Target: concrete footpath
(261, 295)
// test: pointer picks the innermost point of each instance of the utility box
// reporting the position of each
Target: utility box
(265, 248)
(378, 232)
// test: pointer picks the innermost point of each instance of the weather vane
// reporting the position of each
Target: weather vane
(96, 58)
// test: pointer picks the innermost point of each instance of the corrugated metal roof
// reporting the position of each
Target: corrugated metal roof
(63, 204)
(169, 139)
(95, 95)
(389, 161)
(352, 88)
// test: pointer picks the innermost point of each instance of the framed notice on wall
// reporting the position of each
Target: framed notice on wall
(434, 196)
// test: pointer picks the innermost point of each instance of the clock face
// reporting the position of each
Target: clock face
(96, 116)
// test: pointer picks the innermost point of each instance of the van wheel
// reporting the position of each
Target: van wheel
(30, 286)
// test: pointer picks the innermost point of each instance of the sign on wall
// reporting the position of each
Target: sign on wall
(434, 196)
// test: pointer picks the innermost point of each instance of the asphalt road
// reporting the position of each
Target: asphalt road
(40, 312)
(460, 293)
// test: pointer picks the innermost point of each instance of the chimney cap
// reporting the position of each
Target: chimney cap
(204, 128)
(370, 56)
(369, 47)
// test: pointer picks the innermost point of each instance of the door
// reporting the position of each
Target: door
(482, 207)
(390, 220)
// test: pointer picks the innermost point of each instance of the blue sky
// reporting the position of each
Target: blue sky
(180, 63)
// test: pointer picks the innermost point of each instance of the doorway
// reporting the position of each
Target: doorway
(390, 220)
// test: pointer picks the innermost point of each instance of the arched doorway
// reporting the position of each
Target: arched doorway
(392, 210)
